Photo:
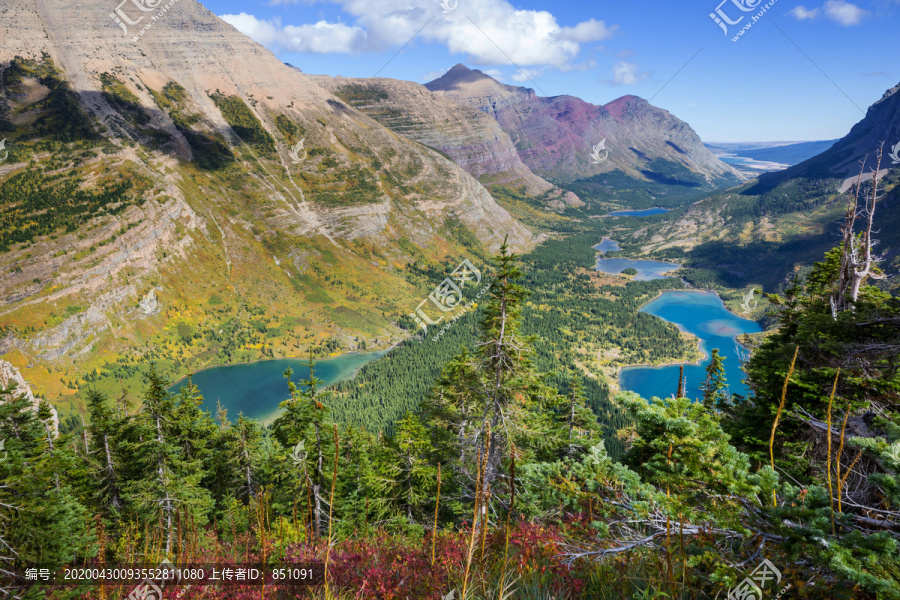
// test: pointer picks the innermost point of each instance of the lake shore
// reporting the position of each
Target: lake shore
(700, 340)
(265, 360)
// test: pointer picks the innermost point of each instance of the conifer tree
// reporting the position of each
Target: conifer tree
(579, 420)
(714, 388)
(246, 441)
(105, 472)
(41, 520)
(304, 420)
(409, 478)
(164, 481)
(486, 400)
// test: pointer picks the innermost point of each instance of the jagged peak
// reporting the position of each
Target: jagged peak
(888, 94)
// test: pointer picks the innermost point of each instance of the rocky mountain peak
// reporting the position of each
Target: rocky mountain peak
(555, 135)
(888, 94)
(461, 77)
(621, 107)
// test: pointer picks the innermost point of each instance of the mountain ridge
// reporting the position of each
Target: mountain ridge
(556, 135)
(200, 121)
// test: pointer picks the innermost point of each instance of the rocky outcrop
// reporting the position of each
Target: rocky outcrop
(10, 375)
(474, 140)
(556, 137)
(149, 304)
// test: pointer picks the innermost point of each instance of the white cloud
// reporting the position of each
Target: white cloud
(626, 73)
(320, 38)
(845, 13)
(490, 32)
(527, 74)
(801, 13)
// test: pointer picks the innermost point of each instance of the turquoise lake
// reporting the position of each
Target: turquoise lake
(647, 269)
(256, 389)
(704, 315)
(639, 213)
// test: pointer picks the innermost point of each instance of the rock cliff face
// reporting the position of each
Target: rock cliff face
(192, 47)
(472, 138)
(556, 137)
(191, 87)
(11, 375)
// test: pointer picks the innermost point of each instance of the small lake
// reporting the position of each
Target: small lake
(704, 315)
(607, 245)
(639, 213)
(256, 389)
(647, 270)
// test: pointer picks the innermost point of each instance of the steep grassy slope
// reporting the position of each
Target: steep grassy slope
(470, 137)
(181, 229)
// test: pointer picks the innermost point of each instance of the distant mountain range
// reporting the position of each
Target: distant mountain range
(556, 137)
(843, 160)
(508, 136)
(768, 229)
(767, 156)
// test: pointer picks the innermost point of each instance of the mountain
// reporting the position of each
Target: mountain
(473, 139)
(556, 136)
(766, 231)
(881, 124)
(180, 211)
(787, 153)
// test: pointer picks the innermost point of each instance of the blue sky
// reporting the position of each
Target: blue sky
(804, 71)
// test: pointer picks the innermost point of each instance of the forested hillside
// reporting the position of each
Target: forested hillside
(501, 485)
(573, 321)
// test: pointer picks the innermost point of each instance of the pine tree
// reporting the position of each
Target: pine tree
(579, 420)
(714, 389)
(41, 520)
(409, 478)
(489, 399)
(165, 482)
(105, 473)
(246, 439)
(304, 421)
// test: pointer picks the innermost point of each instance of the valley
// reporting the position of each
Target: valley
(443, 337)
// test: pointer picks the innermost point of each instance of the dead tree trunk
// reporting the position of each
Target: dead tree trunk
(858, 262)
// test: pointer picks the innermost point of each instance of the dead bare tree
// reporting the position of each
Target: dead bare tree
(858, 262)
